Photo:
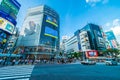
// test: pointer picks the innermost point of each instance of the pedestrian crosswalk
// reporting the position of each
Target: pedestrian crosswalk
(16, 72)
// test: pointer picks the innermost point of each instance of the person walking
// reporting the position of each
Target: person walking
(13, 62)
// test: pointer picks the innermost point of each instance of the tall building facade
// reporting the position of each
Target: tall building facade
(8, 15)
(39, 36)
(111, 41)
(71, 45)
(95, 37)
(85, 41)
(62, 45)
(89, 39)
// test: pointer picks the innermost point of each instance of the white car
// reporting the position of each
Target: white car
(88, 62)
(111, 61)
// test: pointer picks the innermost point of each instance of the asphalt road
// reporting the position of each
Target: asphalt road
(75, 72)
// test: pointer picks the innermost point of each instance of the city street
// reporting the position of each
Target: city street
(60, 72)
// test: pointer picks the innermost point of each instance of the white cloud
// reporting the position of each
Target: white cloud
(115, 27)
(94, 2)
(116, 30)
(107, 24)
(116, 22)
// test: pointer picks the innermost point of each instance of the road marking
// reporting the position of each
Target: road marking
(23, 79)
(16, 72)
(15, 77)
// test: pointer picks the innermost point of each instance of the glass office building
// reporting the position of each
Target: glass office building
(39, 37)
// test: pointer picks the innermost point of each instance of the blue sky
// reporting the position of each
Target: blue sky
(75, 14)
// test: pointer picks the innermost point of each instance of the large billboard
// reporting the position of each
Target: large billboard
(51, 32)
(110, 35)
(3, 39)
(99, 39)
(11, 7)
(51, 20)
(113, 44)
(91, 53)
(6, 25)
(7, 17)
(31, 28)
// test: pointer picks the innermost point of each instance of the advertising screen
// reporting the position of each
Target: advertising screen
(2, 23)
(9, 28)
(113, 44)
(50, 32)
(11, 5)
(3, 39)
(6, 25)
(110, 35)
(51, 20)
(91, 53)
(31, 28)
(8, 17)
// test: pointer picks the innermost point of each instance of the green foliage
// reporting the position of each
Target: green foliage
(112, 51)
(76, 54)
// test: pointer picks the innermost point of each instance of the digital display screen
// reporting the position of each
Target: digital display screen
(92, 53)
(6, 25)
(3, 39)
(9, 28)
(113, 44)
(51, 32)
(10, 6)
(51, 20)
(9, 18)
(110, 35)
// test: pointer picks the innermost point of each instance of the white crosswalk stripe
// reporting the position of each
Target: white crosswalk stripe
(16, 72)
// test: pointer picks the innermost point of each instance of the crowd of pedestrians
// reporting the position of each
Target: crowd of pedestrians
(5, 61)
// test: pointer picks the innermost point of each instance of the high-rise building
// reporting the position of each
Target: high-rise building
(8, 15)
(111, 41)
(71, 45)
(62, 45)
(89, 39)
(85, 41)
(93, 36)
(39, 36)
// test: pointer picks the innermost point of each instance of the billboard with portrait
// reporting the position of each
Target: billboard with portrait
(31, 28)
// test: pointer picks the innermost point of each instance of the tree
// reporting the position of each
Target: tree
(112, 52)
(77, 55)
